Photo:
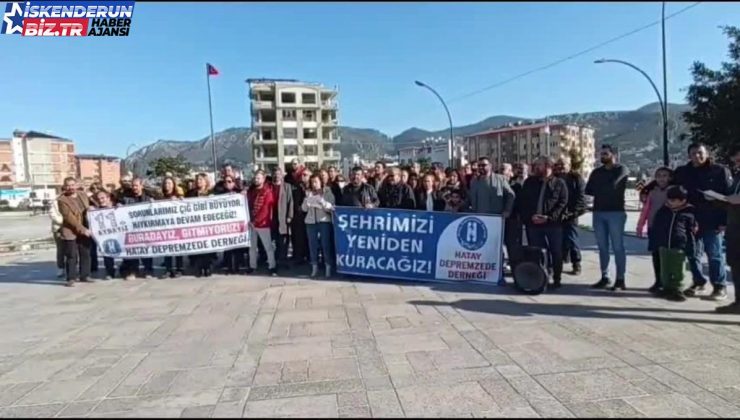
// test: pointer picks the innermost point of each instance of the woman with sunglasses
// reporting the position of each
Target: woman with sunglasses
(233, 258)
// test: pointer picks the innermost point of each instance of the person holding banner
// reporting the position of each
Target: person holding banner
(318, 205)
(394, 194)
(491, 193)
(105, 201)
(76, 237)
(262, 203)
(542, 204)
(358, 193)
(298, 236)
(130, 266)
(169, 192)
(202, 262)
(428, 198)
(282, 215)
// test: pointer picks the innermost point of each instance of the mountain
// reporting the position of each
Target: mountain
(638, 135)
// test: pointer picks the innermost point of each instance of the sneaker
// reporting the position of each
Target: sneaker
(576, 269)
(273, 272)
(61, 273)
(733, 308)
(129, 277)
(164, 275)
(108, 277)
(601, 284)
(675, 296)
(618, 285)
(655, 288)
(87, 280)
(694, 290)
(69, 283)
(249, 270)
(719, 293)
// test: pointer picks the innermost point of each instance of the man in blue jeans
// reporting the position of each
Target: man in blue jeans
(701, 174)
(606, 185)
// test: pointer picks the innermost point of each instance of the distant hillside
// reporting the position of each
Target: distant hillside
(637, 134)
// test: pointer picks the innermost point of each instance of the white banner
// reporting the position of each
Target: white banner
(172, 227)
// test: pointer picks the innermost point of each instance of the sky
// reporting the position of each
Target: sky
(110, 93)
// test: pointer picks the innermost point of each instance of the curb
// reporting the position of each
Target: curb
(27, 246)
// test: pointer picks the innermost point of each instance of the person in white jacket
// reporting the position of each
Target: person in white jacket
(318, 205)
(56, 223)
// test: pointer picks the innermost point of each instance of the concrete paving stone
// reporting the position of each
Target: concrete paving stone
(384, 404)
(112, 378)
(296, 371)
(588, 386)
(377, 383)
(21, 411)
(197, 412)
(158, 383)
(710, 374)
(410, 343)
(503, 393)
(529, 388)
(715, 404)
(35, 370)
(448, 377)
(442, 401)
(330, 369)
(234, 409)
(298, 316)
(78, 409)
(551, 409)
(671, 405)
(354, 412)
(352, 399)
(315, 406)
(231, 394)
(372, 366)
(240, 375)
(343, 352)
(730, 393)
(58, 391)
(292, 352)
(510, 371)
(671, 379)
(13, 392)
(116, 405)
(306, 388)
(516, 412)
(268, 374)
(199, 380)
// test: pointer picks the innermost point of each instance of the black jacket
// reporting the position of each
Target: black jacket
(554, 203)
(607, 187)
(336, 191)
(397, 196)
(576, 197)
(673, 229)
(516, 186)
(438, 204)
(221, 189)
(357, 196)
(709, 176)
(131, 199)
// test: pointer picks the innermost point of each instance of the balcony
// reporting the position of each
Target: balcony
(329, 104)
(331, 155)
(329, 122)
(262, 123)
(331, 139)
(260, 104)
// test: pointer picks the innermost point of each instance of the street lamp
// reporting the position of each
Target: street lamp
(449, 118)
(662, 103)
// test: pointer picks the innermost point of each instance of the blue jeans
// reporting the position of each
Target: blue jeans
(713, 245)
(570, 243)
(609, 225)
(319, 235)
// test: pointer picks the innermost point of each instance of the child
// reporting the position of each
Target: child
(455, 202)
(654, 201)
(672, 236)
(104, 202)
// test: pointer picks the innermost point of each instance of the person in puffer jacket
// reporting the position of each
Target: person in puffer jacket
(318, 206)
(672, 234)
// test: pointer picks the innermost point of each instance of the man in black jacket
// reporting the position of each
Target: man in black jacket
(359, 193)
(129, 267)
(394, 194)
(576, 207)
(544, 199)
(701, 174)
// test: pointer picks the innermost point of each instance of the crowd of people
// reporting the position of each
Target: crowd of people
(293, 212)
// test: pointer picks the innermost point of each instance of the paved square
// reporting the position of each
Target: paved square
(254, 346)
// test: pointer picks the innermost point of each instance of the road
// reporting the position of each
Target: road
(257, 346)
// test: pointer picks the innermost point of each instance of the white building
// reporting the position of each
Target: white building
(433, 150)
(293, 120)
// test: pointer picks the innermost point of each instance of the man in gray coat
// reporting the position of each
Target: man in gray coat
(490, 193)
(283, 214)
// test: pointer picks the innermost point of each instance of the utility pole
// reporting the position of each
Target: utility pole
(665, 93)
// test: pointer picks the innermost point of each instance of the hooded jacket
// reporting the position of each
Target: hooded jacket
(709, 176)
(674, 229)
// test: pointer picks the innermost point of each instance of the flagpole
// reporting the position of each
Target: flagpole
(213, 140)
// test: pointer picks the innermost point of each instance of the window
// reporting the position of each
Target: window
(267, 96)
(267, 116)
(309, 115)
(310, 150)
(287, 97)
(309, 133)
(5, 168)
(291, 150)
(5, 179)
(308, 98)
(289, 115)
(290, 133)
(267, 135)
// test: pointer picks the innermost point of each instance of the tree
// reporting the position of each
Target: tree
(178, 166)
(424, 163)
(715, 99)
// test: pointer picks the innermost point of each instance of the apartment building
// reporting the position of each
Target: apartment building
(6, 163)
(434, 149)
(102, 169)
(526, 142)
(42, 159)
(293, 120)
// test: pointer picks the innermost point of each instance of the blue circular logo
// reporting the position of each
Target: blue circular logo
(472, 233)
(112, 247)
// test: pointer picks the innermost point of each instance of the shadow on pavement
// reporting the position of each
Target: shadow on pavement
(524, 309)
(30, 273)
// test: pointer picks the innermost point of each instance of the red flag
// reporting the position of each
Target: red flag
(211, 70)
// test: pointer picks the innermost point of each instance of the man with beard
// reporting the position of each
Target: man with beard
(490, 192)
(282, 214)
(543, 200)
(124, 190)
(299, 237)
(394, 194)
(130, 266)
(295, 173)
(576, 208)
(513, 224)
(702, 174)
(359, 193)
(336, 190)
(227, 171)
(607, 185)
(376, 181)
